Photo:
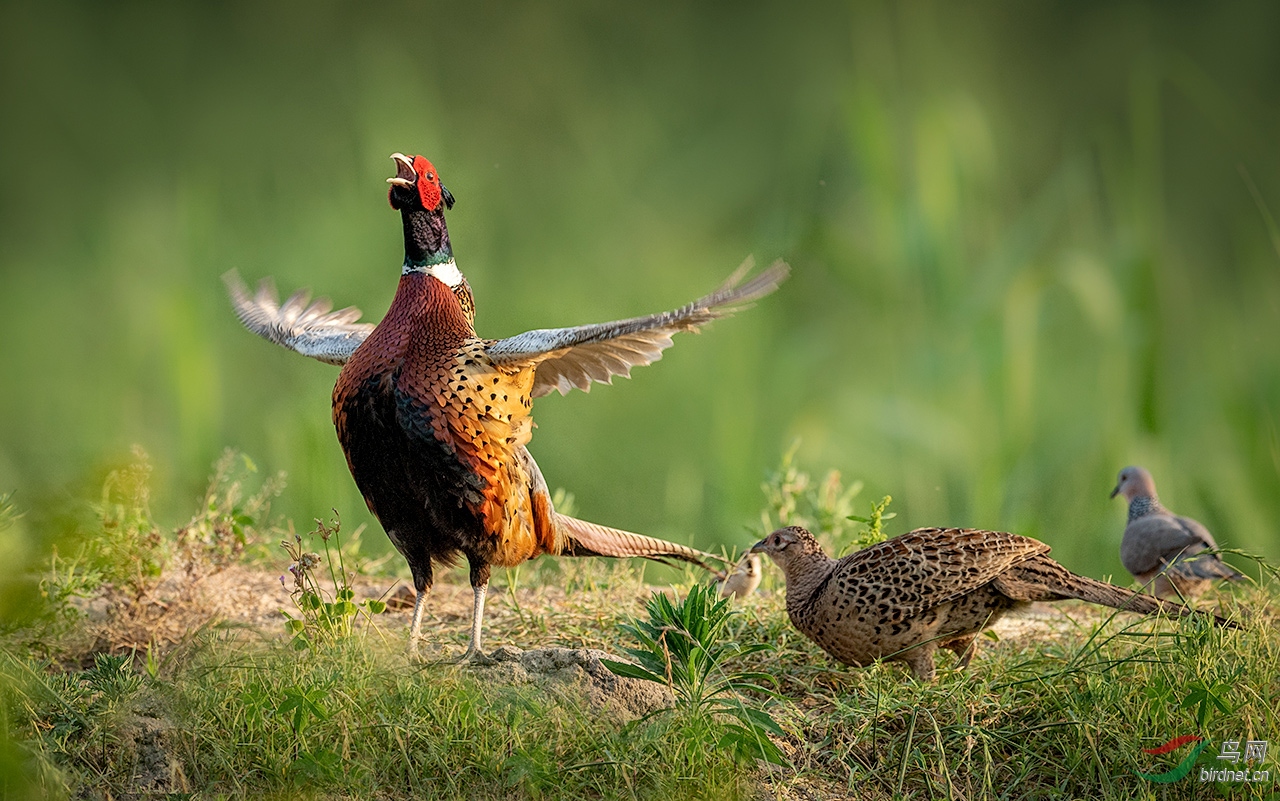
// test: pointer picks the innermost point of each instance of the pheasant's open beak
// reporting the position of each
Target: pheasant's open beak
(1115, 491)
(405, 174)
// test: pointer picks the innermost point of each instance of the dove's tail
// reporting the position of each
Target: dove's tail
(1207, 566)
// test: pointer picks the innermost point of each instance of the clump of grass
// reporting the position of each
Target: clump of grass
(128, 550)
(145, 577)
(123, 551)
(18, 587)
(683, 646)
(231, 517)
(79, 722)
(794, 498)
(323, 613)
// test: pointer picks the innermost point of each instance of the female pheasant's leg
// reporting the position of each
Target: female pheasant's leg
(964, 649)
(920, 659)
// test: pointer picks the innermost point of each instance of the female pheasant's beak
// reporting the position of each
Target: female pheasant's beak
(759, 546)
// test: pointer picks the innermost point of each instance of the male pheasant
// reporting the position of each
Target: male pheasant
(434, 420)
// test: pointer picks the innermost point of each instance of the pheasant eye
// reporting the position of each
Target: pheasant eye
(430, 177)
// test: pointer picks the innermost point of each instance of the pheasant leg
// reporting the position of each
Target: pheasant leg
(415, 628)
(473, 653)
(963, 648)
(920, 659)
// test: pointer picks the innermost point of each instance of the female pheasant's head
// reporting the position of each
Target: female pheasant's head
(789, 546)
(416, 186)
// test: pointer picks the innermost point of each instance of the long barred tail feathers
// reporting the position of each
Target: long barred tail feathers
(583, 538)
(1054, 582)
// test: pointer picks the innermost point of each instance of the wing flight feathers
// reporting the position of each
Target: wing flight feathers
(569, 358)
(310, 329)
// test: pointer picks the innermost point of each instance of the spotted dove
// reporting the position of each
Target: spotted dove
(1163, 549)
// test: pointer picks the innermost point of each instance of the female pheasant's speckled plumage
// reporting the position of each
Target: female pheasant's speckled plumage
(931, 588)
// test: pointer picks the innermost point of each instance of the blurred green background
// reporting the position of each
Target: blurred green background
(1032, 243)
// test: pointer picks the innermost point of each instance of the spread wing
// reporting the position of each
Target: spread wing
(931, 566)
(574, 357)
(312, 330)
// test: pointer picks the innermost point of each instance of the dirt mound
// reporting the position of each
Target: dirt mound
(578, 672)
(150, 744)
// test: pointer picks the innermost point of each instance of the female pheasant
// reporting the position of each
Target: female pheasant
(906, 597)
(434, 420)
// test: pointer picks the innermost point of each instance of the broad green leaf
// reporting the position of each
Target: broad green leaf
(630, 671)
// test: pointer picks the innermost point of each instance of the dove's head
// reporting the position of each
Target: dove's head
(416, 186)
(1134, 482)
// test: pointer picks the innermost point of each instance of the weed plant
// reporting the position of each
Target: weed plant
(825, 507)
(231, 517)
(683, 646)
(123, 550)
(323, 613)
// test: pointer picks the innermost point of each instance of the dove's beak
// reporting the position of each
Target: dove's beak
(1115, 491)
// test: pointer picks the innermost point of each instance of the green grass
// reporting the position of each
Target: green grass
(353, 719)
(230, 711)
(1064, 718)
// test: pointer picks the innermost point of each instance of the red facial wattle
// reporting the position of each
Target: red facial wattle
(428, 183)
